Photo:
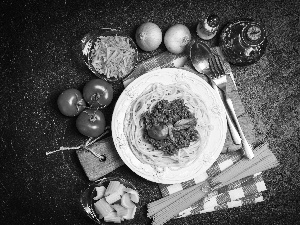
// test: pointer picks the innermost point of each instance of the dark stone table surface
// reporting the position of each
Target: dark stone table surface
(40, 57)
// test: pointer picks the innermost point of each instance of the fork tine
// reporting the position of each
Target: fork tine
(214, 67)
(220, 64)
(217, 65)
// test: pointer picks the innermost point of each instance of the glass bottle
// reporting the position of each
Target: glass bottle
(243, 42)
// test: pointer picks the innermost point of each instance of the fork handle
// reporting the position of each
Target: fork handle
(247, 148)
(234, 133)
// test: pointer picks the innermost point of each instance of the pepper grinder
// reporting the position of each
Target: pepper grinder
(207, 28)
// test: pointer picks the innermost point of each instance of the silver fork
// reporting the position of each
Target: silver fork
(219, 81)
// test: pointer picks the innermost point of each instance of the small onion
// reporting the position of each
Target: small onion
(148, 36)
(176, 38)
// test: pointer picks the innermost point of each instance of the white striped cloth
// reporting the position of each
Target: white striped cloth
(242, 192)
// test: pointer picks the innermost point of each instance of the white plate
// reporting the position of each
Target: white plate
(216, 113)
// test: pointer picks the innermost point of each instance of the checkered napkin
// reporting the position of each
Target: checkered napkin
(242, 192)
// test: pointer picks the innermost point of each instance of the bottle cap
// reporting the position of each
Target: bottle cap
(253, 34)
(213, 20)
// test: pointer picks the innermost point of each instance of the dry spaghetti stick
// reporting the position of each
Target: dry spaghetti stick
(158, 205)
(263, 160)
(172, 210)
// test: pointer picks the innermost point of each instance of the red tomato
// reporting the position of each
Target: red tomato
(70, 102)
(98, 93)
(91, 122)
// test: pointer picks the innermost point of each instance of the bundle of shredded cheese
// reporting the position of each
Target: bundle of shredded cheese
(112, 56)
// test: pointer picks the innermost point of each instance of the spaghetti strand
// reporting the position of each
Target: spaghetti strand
(134, 127)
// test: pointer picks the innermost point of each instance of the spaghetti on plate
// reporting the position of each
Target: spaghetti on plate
(134, 126)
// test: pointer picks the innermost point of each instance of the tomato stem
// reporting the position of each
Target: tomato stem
(92, 117)
(96, 98)
(185, 41)
(80, 103)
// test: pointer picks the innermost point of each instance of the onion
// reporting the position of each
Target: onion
(176, 38)
(148, 36)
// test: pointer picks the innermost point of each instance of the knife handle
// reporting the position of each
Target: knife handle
(246, 146)
(234, 133)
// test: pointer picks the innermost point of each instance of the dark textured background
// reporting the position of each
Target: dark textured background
(40, 58)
